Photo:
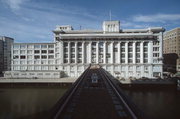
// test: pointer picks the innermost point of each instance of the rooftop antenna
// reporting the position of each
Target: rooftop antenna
(110, 15)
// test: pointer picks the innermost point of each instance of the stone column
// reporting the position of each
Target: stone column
(119, 52)
(69, 52)
(134, 52)
(76, 53)
(150, 52)
(97, 52)
(62, 52)
(104, 52)
(112, 51)
(90, 52)
(142, 52)
(126, 52)
(83, 50)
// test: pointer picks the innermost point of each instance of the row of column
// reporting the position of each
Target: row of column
(112, 57)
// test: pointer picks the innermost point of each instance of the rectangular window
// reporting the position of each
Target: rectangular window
(23, 46)
(29, 62)
(72, 55)
(50, 51)
(122, 60)
(51, 62)
(44, 56)
(15, 62)
(51, 56)
(44, 51)
(50, 46)
(22, 57)
(65, 55)
(37, 46)
(29, 57)
(36, 57)
(43, 46)
(16, 57)
(22, 52)
(16, 46)
(29, 52)
(22, 62)
(37, 62)
(15, 51)
(36, 51)
(44, 62)
(30, 46)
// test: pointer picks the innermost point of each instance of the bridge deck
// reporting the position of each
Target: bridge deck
(94, 100)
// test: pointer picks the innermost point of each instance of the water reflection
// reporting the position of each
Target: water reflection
(157, 104)
(21, 102)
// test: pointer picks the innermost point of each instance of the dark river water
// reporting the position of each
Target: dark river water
(24, 102)
(157, 103)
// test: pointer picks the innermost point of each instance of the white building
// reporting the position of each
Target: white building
(123, 53)
(33, 60)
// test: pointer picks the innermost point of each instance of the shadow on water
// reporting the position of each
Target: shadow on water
(28, 102)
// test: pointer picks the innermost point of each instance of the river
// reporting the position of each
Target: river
(24, 102)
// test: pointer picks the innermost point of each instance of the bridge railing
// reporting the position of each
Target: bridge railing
(138, 113)
(60, 105)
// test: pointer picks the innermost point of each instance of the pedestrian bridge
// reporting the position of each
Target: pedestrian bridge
(95, 95)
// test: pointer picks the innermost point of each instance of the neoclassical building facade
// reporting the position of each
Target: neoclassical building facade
(124, 53)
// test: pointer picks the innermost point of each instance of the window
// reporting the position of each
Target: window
(15, 51)
(29, 62)
(44, 67)
(16, 57)
(37, 62)
(30, 46)
(122, 60)
(72, 61)
(22, 62)
(30, 67)
(22, 57)
(155, 54)
(36, 57)
(22, 52)
(65, 55)
(23, 46)
(122, 49)
(43, 46)
(50, 51)
(50, 46)
(15, 62)
(65, 61)
(79, 55)
(137, 60)
(145, 49)
(51, 56)
(44, 51)
(29, 57)
(29, 52)
(44, 62)
(51, 62)
(72, 55)
(37, 68)
(129, 60)
(36, 51)
(15, 46)
(44, 56)
(37, 46)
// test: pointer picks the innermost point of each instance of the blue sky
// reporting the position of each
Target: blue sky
(34, 20)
